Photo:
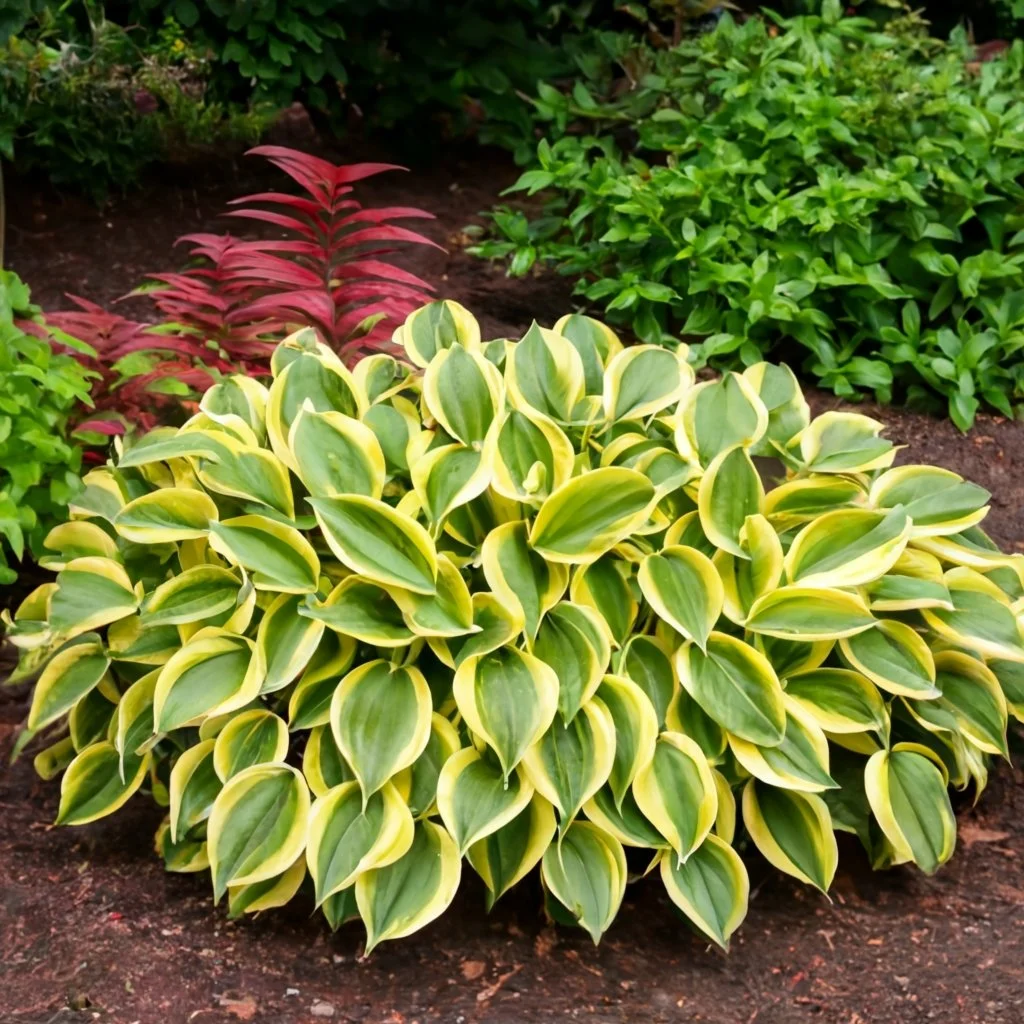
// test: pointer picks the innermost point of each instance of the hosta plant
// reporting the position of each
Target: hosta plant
(521, 605)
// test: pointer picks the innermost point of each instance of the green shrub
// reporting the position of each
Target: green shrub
(392, 61)
(529, 603)
(822, 188)
(39, 461)
(94, 112)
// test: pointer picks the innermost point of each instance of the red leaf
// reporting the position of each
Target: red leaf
(386, 233)
(384, 213)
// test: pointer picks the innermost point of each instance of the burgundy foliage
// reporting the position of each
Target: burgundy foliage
(324, 263)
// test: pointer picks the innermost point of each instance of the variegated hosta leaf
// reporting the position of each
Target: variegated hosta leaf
(643, 380)
(686, 716)
(590, 514)
(736, 686)
(449, 477)
(257, 827)
(403, 896)
(347, 837)
(323, 764)
(215, 672)
(91, 592)
(596, 343)
(788, 412)
(287, 640)
(170, 514)
(908, 797)
(520, 578)
(254, 897)
(717, 415)
(532, 456)
(980, 619)
(464, 393)
(573, 760)
(494, 624)
(730, 491)
(585, 870)
(646, 662)
(373, 539)
(510, 852)
(604, 585)
(754, 575)
(425, 771)
(676, 792)
(475, 798)
(575, 641)
(252, 737)
(435, 327)
(793, 831)
(971, 691)
(508, 698)
(335, 454)
(895, 657)
(636, 731)
(843, 442)
(625, 821)
(799, 762)
(359, 609)
(312, 379)
(96, 784)
(939, 502)
(194, 787)
(684, 589)
(710, 887)
(847, 548)
(545, 373)
(380, 718)
(202, 593)
(69, 677)
(278, 556)
(914, 581)
(839, 700)
(809, 613)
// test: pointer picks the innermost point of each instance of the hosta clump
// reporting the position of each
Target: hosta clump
(524, 604)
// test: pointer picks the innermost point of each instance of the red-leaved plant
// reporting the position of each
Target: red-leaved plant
(327, 269)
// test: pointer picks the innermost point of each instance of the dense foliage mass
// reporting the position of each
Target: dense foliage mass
(527, 603)
(811, 186)
(92, 107)
(40, 391)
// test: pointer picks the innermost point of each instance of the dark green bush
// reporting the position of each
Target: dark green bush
(812, 184)
(39, 461)
(93, 109)
(391, 61)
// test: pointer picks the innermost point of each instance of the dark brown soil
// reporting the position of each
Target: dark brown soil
(91, 928)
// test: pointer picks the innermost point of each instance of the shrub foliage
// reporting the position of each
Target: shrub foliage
(811, 185)
(523, 603)
(40, 390)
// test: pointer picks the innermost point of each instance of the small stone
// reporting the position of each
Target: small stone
(322, 1009)
(291, 992)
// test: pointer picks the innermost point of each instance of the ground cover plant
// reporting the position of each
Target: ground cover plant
(324, 261)
(525, 604)
(816, 187)
(40, 391)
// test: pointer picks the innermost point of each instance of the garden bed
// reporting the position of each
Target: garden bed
(92, 927)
